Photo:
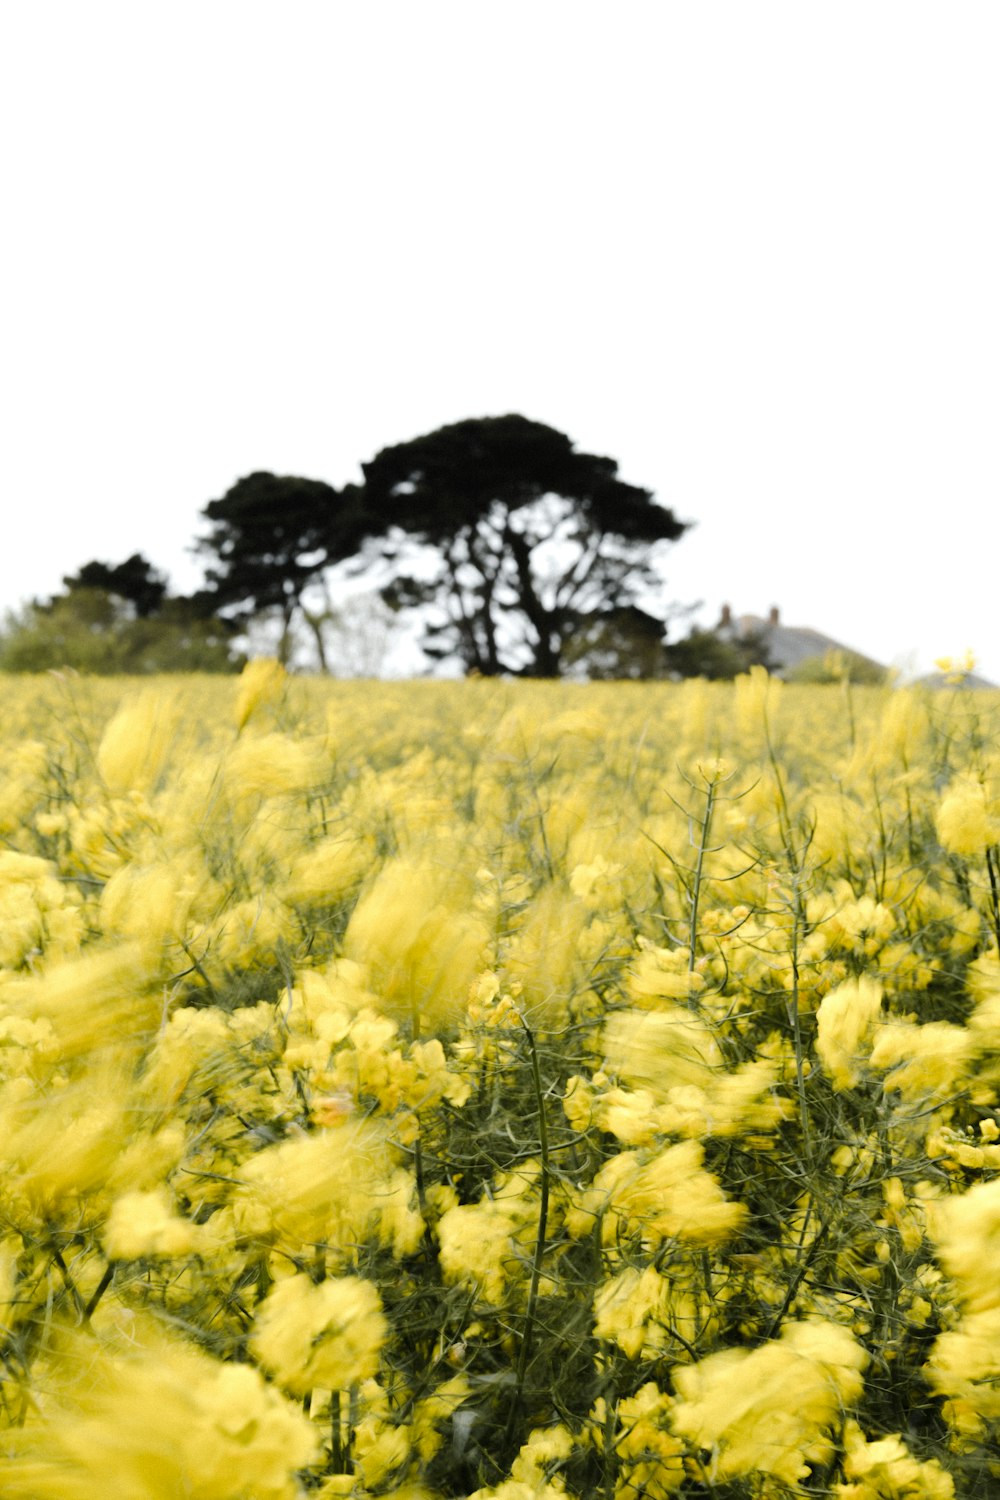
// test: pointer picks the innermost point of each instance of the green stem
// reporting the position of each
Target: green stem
(706, 824)
(70, 1285)
(418, 1156)
(536, 1261)
(99, 1291)
(796, 1280)
(336, 1435)
(796, 1024)
(610, 1464)
(992, 860)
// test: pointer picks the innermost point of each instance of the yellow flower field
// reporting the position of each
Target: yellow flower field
(498, 1090)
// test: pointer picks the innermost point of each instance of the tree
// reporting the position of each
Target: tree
(621, 643)
(705, 653)
(524, 542)
(135, 581)
(271, 537)
(119, 629)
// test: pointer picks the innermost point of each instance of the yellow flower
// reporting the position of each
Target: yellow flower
(651, 1457)
(145, 1224)
(10, 1249)
(965, 1359)
(262, 682)
(543, 956)
(478, 1247)
(774, 1409)
(274, 765)
(151, 1419)
(884, 1469)
(136, 742)
(968, 819)
(545, 1446)
(624, 1306)
(380, 1449)
(666, 1196)
(932, 1059)
(58, 1146)
(956, 669)
(327, 1335)
(316, 1189)
(661, 973)
(96, 1000)
(421, 944)
(757, 696)
(845, 1024)
(324, 872)
(661, 1049)
(148, 903)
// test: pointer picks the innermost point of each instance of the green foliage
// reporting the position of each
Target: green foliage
(837, 666)
(621, 644)
(89, 630)
(705, 653)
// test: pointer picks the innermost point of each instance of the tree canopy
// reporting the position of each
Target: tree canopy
(135, 581)
(270, 537)
(514, 553)
(523, 543)
(117, 618)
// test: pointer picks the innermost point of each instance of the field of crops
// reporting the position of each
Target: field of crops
(499, 1090)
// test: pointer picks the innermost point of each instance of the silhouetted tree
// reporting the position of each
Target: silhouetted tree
(620, 643)
(135, 580)
(271, 536)
(525, 542)
(704, 653)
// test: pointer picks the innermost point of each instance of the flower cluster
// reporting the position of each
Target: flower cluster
(508, 1091)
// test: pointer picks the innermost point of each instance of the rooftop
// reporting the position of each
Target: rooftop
(788, 646)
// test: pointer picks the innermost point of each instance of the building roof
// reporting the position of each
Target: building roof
(787, 646)
(937, 680)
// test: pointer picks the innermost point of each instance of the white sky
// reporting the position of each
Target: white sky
(751, 251)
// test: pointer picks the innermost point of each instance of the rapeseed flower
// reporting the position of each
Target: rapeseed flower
(661, 1196)
(776, 1409)
(845, 1027)
(146, 1416)
(136, 742)
(934, 1059)
(145, 1225)
(263, 683)
(652, 1459)
(968, 819)
(542, 958)
(965, 1359)
(421, 945)
(478, 1246)
(312, 1190)
(221, 1064)
(661, 1049)
(625, 1306)
(38, 913)
(884, 1469)
(327, 1335)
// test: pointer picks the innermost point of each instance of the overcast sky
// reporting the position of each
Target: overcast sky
(749, 250)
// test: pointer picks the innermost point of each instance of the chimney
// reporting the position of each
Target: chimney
(772, 615)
